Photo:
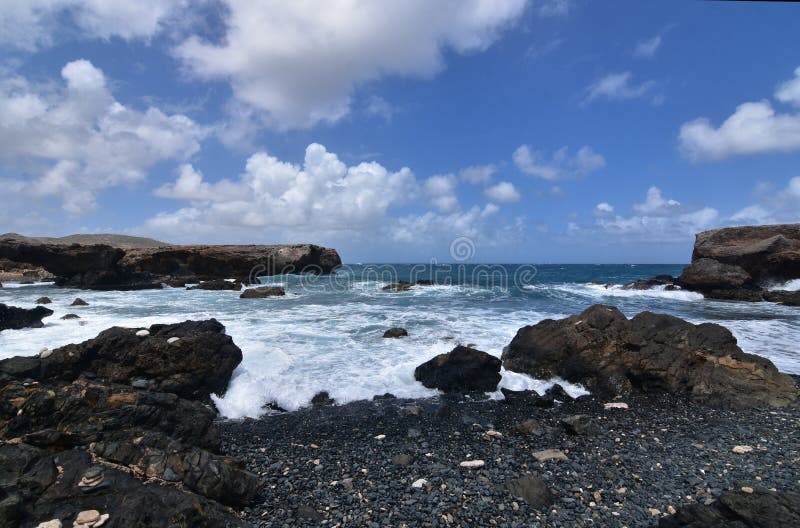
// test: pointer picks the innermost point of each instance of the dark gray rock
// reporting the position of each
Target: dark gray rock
(761, 509)
(461, 370)
(580, 424)
(532, 490)
(262, 292)
(395, 332)
(14, 318)
(43, 300)
(79, 302)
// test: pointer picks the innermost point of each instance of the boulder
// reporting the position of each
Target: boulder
(709, 274)
(69, 316)
(760, 509)
(610, 354)
(43, 300)
(198, 364)
(322, 399)
(461, 370)
(14, 318)
(79, 302)
(395, 332)
(218, 284)
(262, 292)
(534, 491)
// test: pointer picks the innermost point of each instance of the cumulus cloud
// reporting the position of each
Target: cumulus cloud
(76, 140)
(560, 165)
(477, 174)
(553, 8)
(300, 66)
(617, 87)
(31, 24)
(603, 209)
(754, 128)
(442, 192)
(773, 206)
(647, 49)
(503, 192)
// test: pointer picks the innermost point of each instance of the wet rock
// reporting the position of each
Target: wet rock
(308, 513)
(395, 332)
(79, 302)
(13, 318)
(217, 285)
(534, 491)
(43, 300)
(262, 292)
(398, 286)
(760, 509)
(462, 370)
(608, 353)
(70, 316)
(789, 298)
(322, 399)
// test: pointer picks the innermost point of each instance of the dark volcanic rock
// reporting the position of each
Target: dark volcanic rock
(199, 363)
(79, 302)
(789, 298)
(398, 286)
(262, 292)
(70, 316)
(462, 370)
(580, 424)
(532, 490)
(322, 399)
(395, 332)
(13, 318)
(218, 284)
(604, 350)
(43, 300)
(760, 509)
(647, 284)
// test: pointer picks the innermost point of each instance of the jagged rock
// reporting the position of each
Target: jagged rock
(218, 284)
(462, 370)
(760, 508)
(532, 490)
(79, 302)
(789, 298)
(199, 364)
(322, 399)
(604, 350)
(262, 292)
(14, 318)
(395, 332)
(648, 284)
(43, 300)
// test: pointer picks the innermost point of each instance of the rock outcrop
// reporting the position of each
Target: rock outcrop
(463, 370)
(760, 508)
(14, 318)
(74, 437)
(740, 263)
(262, 292)
(217, 285)
(108, 267)
(608, 353)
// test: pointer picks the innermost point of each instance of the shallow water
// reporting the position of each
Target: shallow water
(326, 333)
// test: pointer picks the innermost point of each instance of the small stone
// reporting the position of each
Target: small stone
(380, 437)
(747, 489)
(395, 333)
(53, 523)
(549, 454)
(142, 333)
(472, 464)
(492, 432)
(173, 340)
(87, 517)
(139, 384)
(654, 512)
(45, 353)
(526, 427)
(615, 405)
(671, 510)
(402, 459)
(419, 483)
(101, 521)
(742, 449)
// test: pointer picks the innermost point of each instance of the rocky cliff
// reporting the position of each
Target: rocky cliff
(109, 267)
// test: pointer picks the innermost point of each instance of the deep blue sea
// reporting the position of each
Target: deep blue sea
(326, 333)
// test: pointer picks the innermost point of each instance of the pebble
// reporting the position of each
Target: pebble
(380, 437)
(53, 523)
(87, 517)
(742, 449)
(143, 333)
(654, 512)
(140, 384)
(173, 340)
(549, 454)
(472, 464)
(747, 489)
(419, 483)
(615, 405)
(492, 432)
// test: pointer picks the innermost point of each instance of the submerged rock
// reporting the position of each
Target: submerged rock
(461, 370)
(395, 332)
(14, 318)
(398, 286)
(605, 351)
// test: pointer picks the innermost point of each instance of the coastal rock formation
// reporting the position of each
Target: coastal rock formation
(217, 285)
(463, 369)
(757, 508)
(395, 333)
(262, 292)
(739, 263)
(73, 439)
(108, 267)
(608, 353)
(14, 318)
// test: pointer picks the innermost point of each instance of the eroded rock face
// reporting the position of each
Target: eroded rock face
(14, 318)
(760, 509)
(608, 353)
(106, 267)
(463, 369)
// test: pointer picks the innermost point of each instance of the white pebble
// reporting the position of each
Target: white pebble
(380, 437)
(419, 483)
(54, 523)
(742, 449)
(473, 464)
(173, 340)
(615, 405)
(492, 432)
(143, 333)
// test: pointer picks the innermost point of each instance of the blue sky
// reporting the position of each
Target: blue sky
(544, 131)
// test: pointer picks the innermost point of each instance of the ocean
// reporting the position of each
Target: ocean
(326, 334)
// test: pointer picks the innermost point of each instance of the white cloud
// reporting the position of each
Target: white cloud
(772, 206)
(754, 128)
(476, 174)
(656, 205)
(617, 86)
(503, 192)
(30, 24)
(77, 140)
(603, 209)
(561, 165)
(553, 8)
(442, 192)
(647, 49)
(300, 65)
(379, 107)
(789, 91)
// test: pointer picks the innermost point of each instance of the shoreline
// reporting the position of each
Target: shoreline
(331, 464)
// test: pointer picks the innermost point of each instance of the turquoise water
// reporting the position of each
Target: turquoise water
(326, 333)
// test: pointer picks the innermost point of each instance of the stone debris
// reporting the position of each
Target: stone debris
(419, 483)
(615, 405)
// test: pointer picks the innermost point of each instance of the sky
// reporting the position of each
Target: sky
(544, 131)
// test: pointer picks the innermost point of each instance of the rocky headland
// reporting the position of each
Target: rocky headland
(103, 266)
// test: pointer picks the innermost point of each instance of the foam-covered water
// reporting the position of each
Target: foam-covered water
(327, 335)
